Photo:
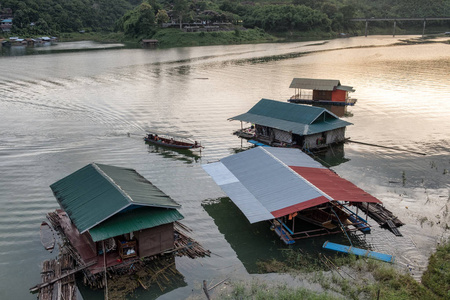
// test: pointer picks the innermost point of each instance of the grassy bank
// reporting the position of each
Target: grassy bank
(176, 38)
(173, 37)
(346, 277)
(101, 37)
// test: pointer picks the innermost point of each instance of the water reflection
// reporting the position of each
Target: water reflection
(332, 156)
(251, 242)
(255, 243)
(339, 110)
(184, 155)
(125, 287)
(13, 50)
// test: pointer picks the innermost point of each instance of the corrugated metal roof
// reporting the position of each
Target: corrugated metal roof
(345, 88)
(265, 182)
(333, 185)
(300, 119)
(134, 220)
(96, 192)
(314, 84)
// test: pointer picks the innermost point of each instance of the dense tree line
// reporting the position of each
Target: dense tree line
(140, 18)
(54, 16)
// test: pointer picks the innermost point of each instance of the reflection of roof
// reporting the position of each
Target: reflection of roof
(297, 118)
(267, 183)
(97, 192)
(319, 84)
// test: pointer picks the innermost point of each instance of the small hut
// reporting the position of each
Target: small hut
(148, 43)
(113, 211)
(294, 125)
(321, 91)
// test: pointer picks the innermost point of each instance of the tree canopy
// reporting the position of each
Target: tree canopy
(140, 17)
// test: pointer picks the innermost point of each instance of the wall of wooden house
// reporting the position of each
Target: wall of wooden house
(339, 96)
(335, 136)
(322, 140)
(152, 241)
(283, 136)
(322, 95)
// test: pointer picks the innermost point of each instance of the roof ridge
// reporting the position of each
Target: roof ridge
(298, 175)
(107, 177)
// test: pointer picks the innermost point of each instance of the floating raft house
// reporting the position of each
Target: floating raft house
(112, 218)
(321, 91)
(285, 186)
(294, 125)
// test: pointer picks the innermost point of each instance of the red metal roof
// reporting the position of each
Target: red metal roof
(300, 206)
(334, 186)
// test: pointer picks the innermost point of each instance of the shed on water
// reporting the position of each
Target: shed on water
(295, 125)
(325, 91)
(116, 210)
(148, 43)
(285, 187)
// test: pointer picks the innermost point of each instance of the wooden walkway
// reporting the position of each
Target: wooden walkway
(58, 279)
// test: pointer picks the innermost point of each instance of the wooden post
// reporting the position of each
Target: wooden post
(104, 265)
(205, 289)
(424, 23)
(365, 32)
(395, 23)
(293, 224)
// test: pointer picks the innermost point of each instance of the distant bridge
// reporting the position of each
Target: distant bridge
(367, 20)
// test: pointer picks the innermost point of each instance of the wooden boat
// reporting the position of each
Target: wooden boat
(47, 236)
(171, 140)
(245, 133)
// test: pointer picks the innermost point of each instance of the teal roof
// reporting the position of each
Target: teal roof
(297, 118)
(134, 220)
(96, 192)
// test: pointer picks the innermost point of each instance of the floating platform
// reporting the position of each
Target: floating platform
(323, 102)
(359, 252)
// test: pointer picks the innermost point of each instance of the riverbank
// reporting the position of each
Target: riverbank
(338, 277)
(173, 37)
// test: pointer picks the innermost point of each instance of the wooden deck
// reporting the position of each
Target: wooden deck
(82, 247)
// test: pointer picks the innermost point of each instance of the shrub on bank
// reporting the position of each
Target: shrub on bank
(437, 275)
(176, 38)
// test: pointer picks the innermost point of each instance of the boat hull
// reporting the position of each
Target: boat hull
(174, 145)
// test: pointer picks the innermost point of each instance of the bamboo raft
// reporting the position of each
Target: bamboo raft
(58, 279)
(382, 216)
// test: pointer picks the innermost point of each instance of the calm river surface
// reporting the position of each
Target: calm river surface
(60, 111)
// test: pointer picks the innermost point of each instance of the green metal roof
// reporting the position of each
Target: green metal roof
(134, 220)
(297, 118)
(96, 192)
(314, 84)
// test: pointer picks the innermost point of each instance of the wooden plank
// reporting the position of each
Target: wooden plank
(42, 285)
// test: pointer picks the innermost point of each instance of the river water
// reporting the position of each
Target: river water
(62, 109)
